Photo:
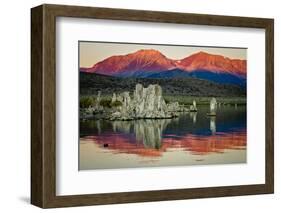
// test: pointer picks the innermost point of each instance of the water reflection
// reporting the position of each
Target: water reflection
(190, 143)
(192, 134)
(213, 124)
(193, 116)
(148, 131)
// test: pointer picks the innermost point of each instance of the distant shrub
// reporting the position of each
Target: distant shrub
(166, 100)
(86, 102)
(105, 103)
(116, 104)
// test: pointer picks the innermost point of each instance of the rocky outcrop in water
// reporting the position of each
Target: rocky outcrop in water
(193, 107)
(114, 98)
(145, 103)
(96, 108)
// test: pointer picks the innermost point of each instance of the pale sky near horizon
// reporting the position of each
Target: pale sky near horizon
(93, 52)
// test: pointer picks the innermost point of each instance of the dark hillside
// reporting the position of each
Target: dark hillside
(91, 83)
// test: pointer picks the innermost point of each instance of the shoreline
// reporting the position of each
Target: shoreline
(200, 100)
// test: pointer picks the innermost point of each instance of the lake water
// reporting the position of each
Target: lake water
(190, 139)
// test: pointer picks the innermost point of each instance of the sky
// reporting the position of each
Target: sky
(93, 52)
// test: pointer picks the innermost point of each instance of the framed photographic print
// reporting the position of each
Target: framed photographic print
(137, 106)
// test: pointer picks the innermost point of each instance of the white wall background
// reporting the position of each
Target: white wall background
(15, 105)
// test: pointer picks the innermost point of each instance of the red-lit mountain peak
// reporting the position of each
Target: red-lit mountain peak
(142, 60)
(211, 62)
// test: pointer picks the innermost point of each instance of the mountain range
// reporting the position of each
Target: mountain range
(150, 63)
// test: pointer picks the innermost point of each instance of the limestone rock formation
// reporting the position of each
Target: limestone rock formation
(113, 100)
(98, 99)
(93, 109)
(193, 107)
(149, 102)
(145, 103)
(173, 107)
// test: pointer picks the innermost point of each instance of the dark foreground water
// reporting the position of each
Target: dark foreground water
(191, 139)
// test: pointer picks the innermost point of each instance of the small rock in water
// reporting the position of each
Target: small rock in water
(193, 107)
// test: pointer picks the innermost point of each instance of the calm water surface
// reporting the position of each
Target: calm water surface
(190, 139)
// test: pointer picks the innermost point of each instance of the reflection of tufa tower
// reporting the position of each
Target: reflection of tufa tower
(149, 132)
(193, 116)
(213, 107)
(213, 124)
